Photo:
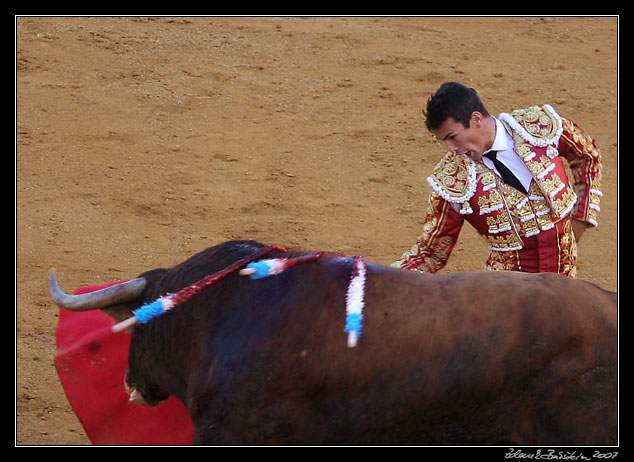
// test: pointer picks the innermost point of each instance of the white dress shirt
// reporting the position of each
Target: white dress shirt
(504, 144)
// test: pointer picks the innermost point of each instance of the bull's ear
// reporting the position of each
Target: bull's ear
(119, 312)
(123, 311)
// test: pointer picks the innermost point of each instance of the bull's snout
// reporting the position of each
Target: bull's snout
(136, 397)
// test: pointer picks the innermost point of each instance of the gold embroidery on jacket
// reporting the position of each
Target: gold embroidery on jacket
(503, 261)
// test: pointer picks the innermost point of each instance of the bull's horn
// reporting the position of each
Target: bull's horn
(94, 300)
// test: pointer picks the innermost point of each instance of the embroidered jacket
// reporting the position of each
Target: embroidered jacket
(467, 190)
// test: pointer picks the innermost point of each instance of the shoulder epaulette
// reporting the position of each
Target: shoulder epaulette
(540, 126)
(454, 179)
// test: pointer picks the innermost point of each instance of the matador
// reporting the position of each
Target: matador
(527, 227)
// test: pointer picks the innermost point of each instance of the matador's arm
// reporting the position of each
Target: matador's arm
(441, 228)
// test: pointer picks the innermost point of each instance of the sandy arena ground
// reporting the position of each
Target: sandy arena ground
(141, 141)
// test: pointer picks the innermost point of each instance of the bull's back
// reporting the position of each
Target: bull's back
(491, 297)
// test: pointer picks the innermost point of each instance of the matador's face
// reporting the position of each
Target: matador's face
(472, 141)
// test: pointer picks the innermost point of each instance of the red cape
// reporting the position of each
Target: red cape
(91, 362)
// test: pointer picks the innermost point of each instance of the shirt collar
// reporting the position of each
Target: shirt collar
(501, 141)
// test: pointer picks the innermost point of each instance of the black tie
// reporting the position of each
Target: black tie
(507, 176)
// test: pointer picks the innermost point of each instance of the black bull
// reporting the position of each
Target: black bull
(458, 359)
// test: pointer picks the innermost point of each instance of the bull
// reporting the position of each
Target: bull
(474, 358)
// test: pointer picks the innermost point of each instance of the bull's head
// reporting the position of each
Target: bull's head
(116, 302)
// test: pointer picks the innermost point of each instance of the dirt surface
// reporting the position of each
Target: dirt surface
(141, 141)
